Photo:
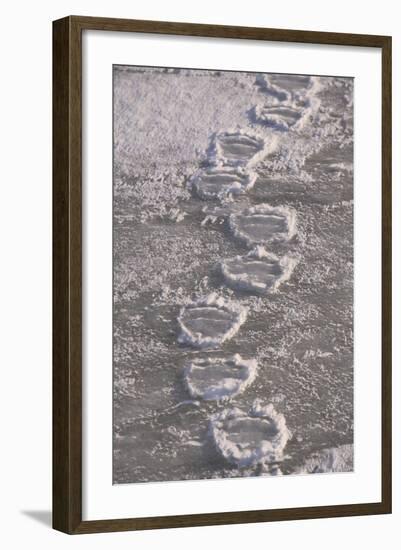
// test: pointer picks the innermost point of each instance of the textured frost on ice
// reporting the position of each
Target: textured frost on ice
(336, 459)
(249, 438)
(263, 224)
(239, 148)
(216, 378)
(218, 182)
(210, 321)
(258, 271)
(176, 215)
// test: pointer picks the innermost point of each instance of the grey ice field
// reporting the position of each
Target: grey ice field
(233, 274)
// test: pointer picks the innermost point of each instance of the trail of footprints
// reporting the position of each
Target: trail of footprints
(257, 436)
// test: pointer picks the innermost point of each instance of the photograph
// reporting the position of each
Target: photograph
(200, 281)
(233, 274)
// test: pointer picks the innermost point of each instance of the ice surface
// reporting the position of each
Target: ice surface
(218, 182)
(264, 224)
(249, 438)
(216, 378)
(258, 271)
(210, 321)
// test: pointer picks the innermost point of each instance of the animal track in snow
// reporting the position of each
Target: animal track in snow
(210, 321)
(238, 148)
(218, 182)
(280, 117)
(258, 271)
(248, 438)
(283, 86)
(259, 436)
(216, 378)
(263, 224)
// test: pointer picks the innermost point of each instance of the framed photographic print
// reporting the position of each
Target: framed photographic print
(222, 274)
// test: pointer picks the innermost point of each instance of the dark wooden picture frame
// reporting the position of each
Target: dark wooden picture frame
(67, 274)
